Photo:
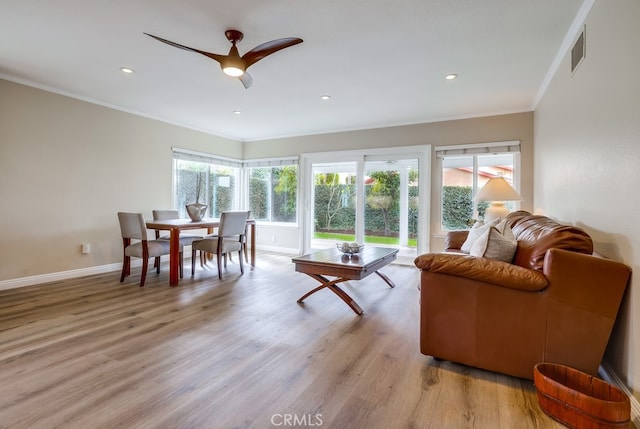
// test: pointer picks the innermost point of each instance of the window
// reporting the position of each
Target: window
(465, 170)
(205, 179)
(273, 193)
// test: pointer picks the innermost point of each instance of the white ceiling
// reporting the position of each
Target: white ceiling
(382, 62)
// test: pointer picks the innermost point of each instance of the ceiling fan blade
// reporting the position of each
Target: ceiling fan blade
(211, 55)
(246, 80)
(268, 48)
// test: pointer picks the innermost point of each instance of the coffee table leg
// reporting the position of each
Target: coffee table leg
(386, 279)
(333, 287)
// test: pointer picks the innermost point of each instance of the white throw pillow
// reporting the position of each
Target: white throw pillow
(497, 242)
(476, 231)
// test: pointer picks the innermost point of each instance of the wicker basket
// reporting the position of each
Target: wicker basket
(579, 400)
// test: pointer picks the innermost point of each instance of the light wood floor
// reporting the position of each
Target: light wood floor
(238, 353)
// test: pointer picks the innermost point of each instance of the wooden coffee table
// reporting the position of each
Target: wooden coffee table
(333, 263)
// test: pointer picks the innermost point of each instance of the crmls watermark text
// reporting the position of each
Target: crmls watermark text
(305, 420)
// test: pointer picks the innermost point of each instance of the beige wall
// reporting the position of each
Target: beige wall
(587, 157)
(476, 130)
(67, 167)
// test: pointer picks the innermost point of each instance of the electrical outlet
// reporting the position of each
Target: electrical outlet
(273, 238)
(85, 248)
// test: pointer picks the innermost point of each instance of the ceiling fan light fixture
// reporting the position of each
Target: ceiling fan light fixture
(233, 64)
(233, 71)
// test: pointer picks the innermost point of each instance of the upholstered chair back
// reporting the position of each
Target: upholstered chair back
(132, 225)
(232, 223)
(165, 214)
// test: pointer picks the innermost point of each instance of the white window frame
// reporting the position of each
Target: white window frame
(475, 150)
(189, 155)
(271, 162)
(241, 192)
(420, 152)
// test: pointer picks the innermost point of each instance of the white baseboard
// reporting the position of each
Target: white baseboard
(609, 375)
(63, 275)
(135, 262)
(285, 250)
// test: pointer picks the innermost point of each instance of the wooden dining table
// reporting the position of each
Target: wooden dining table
(174, 226)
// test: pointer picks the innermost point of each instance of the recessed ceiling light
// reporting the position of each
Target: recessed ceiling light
(325, 97)
(451, 76)
(237, 112)
(126, 70)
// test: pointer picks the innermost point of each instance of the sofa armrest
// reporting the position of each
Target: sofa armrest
(589, 282)
(454, 239)
(583, 300)
(483, 269)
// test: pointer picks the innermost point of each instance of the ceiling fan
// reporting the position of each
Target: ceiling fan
(233, 64)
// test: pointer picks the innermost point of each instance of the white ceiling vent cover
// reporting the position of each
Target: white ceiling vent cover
(578, 51)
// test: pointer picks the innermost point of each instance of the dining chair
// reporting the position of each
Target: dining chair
(133, 227)
(230, 238)
(185, 239)
(244, 244)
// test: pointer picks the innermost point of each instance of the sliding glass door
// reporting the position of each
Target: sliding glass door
(334, 202)
(371, 197)
(391, 198)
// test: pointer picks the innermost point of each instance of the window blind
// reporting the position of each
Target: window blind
(271, 162)
(187, 155)
(478, 149)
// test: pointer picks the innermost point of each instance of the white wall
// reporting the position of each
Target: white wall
(587, 157)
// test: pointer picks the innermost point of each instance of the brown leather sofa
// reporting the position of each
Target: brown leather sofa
(556, 302)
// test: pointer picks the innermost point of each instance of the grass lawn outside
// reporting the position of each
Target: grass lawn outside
(393, 241)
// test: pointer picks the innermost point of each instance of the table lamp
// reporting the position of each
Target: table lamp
(497, 190)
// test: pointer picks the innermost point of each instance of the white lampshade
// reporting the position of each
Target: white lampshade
(497, 190)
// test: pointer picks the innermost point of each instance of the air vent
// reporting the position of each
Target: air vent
(578, 51)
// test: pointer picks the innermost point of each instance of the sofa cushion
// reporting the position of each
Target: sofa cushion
(537, 234)
(496, 243)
